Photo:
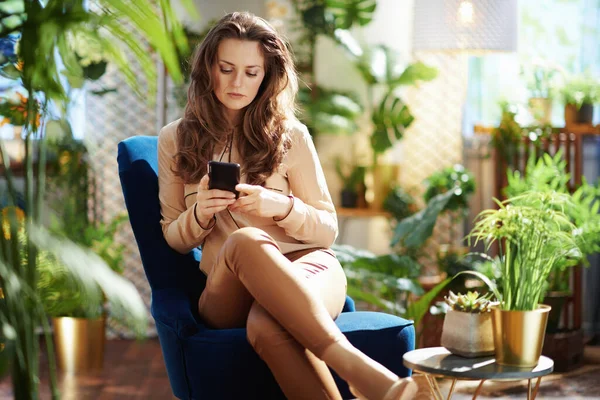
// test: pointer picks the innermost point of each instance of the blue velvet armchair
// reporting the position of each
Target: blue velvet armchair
(205, 363)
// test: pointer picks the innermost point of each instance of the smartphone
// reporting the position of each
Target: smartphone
(224, 176)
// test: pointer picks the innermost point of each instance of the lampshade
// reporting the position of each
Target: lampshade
(463, 25)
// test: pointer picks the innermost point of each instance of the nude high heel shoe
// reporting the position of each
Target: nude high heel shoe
(403, 389)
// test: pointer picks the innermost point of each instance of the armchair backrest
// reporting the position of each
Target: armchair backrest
(164, 267)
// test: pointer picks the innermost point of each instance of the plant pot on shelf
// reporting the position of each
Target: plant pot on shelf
(581, 115)
(541, 109)
(556, 300)
(79, 343)
(519, 335)
(384, 178)
(468, 334)
(349, 198)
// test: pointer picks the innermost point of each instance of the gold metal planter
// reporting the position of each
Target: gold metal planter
(79, 344)
(519, 335)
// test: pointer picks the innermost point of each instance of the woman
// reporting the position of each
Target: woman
(266, 253)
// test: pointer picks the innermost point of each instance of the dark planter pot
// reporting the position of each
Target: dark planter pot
(557, 301)
(585, 115)
(349, 198)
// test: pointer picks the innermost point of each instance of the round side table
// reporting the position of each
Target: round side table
(436, 362)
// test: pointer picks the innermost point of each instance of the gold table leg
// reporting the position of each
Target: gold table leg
(451, 389)
(537, 387)
(478, 390)
(433, 386)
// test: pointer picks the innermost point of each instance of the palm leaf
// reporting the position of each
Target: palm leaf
(350, 12)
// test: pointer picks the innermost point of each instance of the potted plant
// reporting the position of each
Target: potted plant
(79, 315)
(467, 330)
(580, 93)
(460, 181)
(542, 79)
(353, 183)
(547, 173)
(532, 240)
(44, 31)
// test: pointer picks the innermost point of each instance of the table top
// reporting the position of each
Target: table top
(439, 361)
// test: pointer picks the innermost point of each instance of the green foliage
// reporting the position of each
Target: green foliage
(353, 179)
(507, 136)
(547, 174)
(347, 13)
(399, 203)
(471, 302)
(456, 179)
(381, 69)
(378, 66)
(541, 174)
(45, 57)
(332, 111)
(581, 89)
(390, 119)
(61, 294)
(387, 281)
(533, 237)
(412, 232)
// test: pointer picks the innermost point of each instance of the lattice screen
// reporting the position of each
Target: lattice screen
(110, 119)
(434, 140)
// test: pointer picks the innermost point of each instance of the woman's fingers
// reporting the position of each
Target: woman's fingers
(204, 182)
(214, 202)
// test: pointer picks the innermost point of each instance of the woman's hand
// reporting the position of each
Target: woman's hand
(261, 202)
(211, 201)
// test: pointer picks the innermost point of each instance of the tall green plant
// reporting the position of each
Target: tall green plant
(547, 173)
(45, 59)
(532, 240)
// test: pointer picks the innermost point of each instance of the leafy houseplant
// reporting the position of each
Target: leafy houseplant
(324, 110)
(353, 183)
(44, 31)
(542, 81)
(467, 327)
(547, 173)
(580, 93)
(458, 180)
(389, 282)
(532, 240)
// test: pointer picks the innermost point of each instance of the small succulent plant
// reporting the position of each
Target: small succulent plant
(471, 302)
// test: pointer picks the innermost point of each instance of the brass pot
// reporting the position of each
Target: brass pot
(519, 335)
(79, 343)
(468, 334)
(541, 109)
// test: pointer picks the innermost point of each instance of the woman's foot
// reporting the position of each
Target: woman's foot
(403, 389)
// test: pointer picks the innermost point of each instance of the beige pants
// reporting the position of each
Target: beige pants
(286, 302)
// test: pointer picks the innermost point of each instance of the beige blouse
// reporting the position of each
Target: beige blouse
(312, 221)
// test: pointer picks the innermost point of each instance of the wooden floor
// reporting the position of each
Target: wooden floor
(132, 370)
(135, 370)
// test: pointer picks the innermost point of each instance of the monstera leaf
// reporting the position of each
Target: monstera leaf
(413, 231)
(390, 118)
(350, 12)
(317, 20)
(414, 73)
(331, 112)
(382, 65)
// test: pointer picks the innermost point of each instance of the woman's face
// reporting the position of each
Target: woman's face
(238, 73)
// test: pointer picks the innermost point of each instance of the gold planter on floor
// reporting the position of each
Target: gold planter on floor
(519, 335)
(79, 343)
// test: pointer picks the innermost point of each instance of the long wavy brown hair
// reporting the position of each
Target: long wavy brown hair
(263, 141)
